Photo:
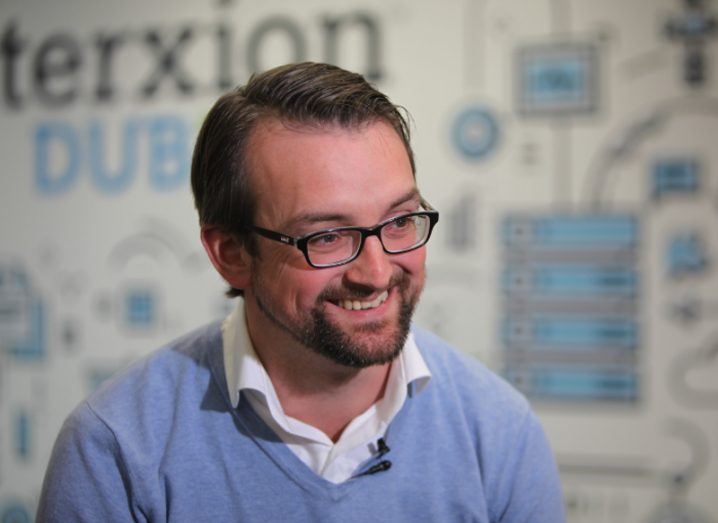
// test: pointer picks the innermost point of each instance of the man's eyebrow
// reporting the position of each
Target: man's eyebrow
(413, 194)
(310, 218)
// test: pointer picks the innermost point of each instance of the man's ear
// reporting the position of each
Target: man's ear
(228, 256)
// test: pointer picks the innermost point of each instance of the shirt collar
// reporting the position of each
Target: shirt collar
(243, 370)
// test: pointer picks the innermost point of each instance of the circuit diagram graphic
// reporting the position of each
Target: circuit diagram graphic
(607, 291)
(569, 145)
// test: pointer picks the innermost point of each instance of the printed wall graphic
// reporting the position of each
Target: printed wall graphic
(475, 133)
(14, 512)
(671, 484)
(569, 145)
(686, 255)
(22, 316)
(693, 28)
(685, 380)
(462, 227)
(557, 79)
(675, 176)
(671, 176)
(570, 328)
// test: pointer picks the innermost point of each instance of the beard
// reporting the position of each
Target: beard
(366, 347)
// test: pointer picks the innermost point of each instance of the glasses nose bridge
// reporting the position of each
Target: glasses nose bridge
(372, 231)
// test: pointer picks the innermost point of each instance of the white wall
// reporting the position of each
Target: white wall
(604, 309)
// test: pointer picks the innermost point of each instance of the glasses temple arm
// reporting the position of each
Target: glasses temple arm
(273, 235)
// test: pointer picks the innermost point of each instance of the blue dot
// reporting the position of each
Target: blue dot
(475, 133)
(15, 513)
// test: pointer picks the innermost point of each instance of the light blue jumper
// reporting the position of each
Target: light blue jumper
(161, 442)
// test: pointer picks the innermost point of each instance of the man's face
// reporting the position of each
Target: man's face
(307, 179)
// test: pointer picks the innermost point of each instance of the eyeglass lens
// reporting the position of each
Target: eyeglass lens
(402, 234)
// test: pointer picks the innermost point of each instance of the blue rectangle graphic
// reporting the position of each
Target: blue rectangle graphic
(675, 175)
(556, 79)
(577, 334)
(571, 280)
(576, 384)
(597, 231)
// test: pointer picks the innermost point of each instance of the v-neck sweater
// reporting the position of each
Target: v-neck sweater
(335, 461)
(162, 442)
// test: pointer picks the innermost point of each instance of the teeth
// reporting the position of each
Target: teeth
(356, 305)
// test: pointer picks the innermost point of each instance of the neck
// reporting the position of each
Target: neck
(311, 387)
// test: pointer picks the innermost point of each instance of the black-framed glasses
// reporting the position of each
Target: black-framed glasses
(340, 245)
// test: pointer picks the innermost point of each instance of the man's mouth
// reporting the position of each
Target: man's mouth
(359, 305)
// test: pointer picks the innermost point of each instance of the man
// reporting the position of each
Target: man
(314, 400)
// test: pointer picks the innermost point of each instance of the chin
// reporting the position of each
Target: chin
(371, 343)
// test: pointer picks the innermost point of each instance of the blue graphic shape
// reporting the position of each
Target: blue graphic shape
(63, 151)
(552, 79)
(604, 231)
(58, 136)
(475, 133)
(22, 322)
(21, 436)
(673, 176)
(14, 513)
(694, 24)
(574, 334)
(119, 180)
(686, 254)
(693, 29)
(563, 280)
(140, 308)
(571, 283)
(168, 146)
(590, 384)
(558, 79)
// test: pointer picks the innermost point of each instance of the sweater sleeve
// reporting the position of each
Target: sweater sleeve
(534, 491)
(87, 479)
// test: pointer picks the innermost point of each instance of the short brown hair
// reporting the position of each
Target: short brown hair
(306, 93)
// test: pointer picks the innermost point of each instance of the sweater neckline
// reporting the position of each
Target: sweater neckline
(290, 464)
(275, 449)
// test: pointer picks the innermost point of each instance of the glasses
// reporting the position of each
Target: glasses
(340, 245)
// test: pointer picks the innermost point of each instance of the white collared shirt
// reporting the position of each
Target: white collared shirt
(336, 462)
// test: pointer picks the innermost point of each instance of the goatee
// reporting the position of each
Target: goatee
(361, 348)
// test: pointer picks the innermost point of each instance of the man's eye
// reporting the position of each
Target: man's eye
(329, 242)
(325, 239)
(401, 225)
(402, 222)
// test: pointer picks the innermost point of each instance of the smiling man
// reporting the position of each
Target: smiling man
(316, 399)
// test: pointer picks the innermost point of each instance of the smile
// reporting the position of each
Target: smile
(357, 305)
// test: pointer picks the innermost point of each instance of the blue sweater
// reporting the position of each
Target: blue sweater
(161, 442)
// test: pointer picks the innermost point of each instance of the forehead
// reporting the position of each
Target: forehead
(354, 174)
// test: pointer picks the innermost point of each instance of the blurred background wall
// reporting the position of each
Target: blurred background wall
(571, 146)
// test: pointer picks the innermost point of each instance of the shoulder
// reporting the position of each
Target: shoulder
(474, 400)
(468, 378)
(516, 462)
(111, 449)
(149, 391)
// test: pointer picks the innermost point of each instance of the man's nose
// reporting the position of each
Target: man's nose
(372, 268)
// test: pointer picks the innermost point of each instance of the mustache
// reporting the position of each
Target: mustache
(356, 291)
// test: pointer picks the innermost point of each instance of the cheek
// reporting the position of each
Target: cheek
(306, 285)
(276, 265)
(275, 256)
(414, 262)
